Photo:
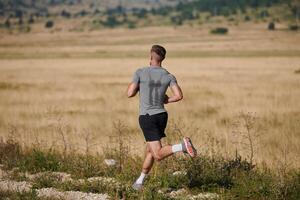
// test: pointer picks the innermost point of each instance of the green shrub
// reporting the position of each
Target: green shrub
(45, 181)
(31, 19)
(294, 27)
(10, 153)
(39, 161)
(131, 25)
(219, 30)
(253, 185)
(271, 26)
(7, 23)
(49, 24)
(19, 196)
(83, 166)
(247, 18)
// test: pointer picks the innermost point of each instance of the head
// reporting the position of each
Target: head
(158, 54)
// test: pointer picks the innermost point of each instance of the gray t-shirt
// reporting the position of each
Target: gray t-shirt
(153, 83)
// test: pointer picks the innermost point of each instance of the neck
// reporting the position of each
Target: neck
(155, 64)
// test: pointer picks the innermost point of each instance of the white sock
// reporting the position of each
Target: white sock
(141, 178)
(176, 148)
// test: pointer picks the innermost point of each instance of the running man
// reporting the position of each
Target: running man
(152, 83)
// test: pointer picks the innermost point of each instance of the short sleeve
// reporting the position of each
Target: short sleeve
(136, 76)
(173, 80)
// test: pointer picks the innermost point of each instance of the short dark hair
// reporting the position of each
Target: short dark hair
(160, 51)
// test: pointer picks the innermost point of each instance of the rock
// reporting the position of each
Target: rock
(110, 162)
(14, 186)
(179, 173)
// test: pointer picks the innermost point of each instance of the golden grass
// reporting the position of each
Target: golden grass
(77, 86)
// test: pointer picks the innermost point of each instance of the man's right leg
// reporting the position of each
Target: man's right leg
(147, 165)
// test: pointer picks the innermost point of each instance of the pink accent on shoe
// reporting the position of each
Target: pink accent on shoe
(189, 147)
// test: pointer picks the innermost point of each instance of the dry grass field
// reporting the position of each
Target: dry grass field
(240, 90)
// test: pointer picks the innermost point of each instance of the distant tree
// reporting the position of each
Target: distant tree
(49, 24)
(7, 23)
(247, 18)
(119, 9)
(131, 25)
(52, 2)
(295, 8)
(271, 26)
(83, 13)
(215, 7)
(225, 11)
(111, 21)
(33, 2)
(153, 11)
(294, 27)
(140, 13)
(176, 20)
(18, 13)
(96, 12)
(264, 14)
(187, 15)
(20, 21)
(31, 19)
(219, 30)
(65, 14)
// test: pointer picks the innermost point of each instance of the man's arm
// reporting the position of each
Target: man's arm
(177, 94)
(132, 89)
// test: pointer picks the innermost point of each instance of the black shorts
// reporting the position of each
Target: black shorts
(153, 126)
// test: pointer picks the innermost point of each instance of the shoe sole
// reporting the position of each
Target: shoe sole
(191, 150)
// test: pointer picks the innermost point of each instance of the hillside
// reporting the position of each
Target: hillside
(20, 16)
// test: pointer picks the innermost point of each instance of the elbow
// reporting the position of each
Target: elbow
(180, 97)
(130, 94)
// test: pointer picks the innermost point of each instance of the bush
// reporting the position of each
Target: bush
(18, 195)
(111, 22)
(38, 161)
(131, 25)
(7, 23)
(24, 29)
(219, 30)
(264, 13)
(254, 185)
(177, 20)
(294, 27)
(10, 153)
(65, 14)
(20, 21)
(49, 24)
(271, 26)
(31, 19)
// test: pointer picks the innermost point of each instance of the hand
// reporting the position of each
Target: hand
(166, 99)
